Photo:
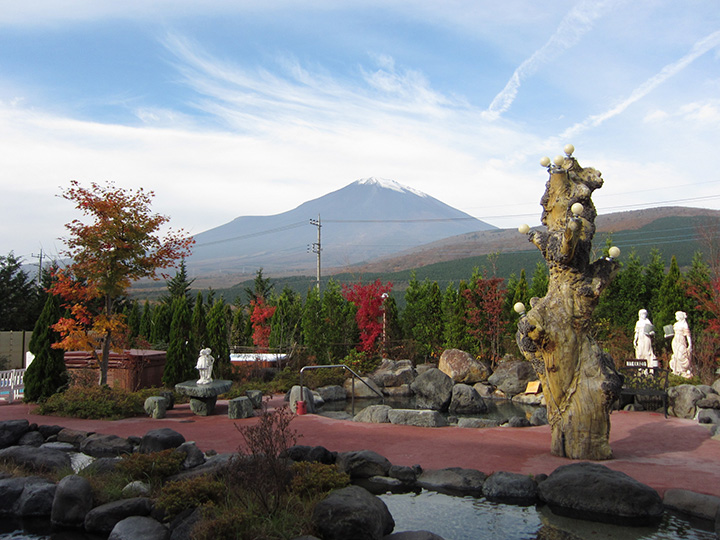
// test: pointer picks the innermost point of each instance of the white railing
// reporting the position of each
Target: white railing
(11, 384)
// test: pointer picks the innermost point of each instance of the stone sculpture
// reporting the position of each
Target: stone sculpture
(681, 346)
(204, 366)
(644, 332)
(578, 378)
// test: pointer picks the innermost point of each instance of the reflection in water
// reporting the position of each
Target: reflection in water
(466, 518)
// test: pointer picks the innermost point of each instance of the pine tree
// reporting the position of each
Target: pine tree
(162, 318)
(198, 323)
(47, 373)
(671, 296)
(312, 327)
(340, 329)
(286, 321)
(521, 292)
(237, 329)
(217, 334)
(145, 330)
(179, 364)
(540, 280)
(132, 316)
(455, 335)
(262, 288)
(179, 285)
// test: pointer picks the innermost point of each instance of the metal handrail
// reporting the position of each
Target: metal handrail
(352, 394)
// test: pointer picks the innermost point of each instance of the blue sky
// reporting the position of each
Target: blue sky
(228, 108)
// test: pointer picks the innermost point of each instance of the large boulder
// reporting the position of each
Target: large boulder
(73, 500)
(466, 400)
(454, 481)
(512, 376)
(511, 488)
(363, 464)
(433, 390)
(306, 396)
(135, 527)
(98, 445)
(683, 400)
(11, 490)
(332, 392)
(37, 459)
(363, 389)
(11, 431)
(462, 367)
(394, 373)
(316, 454)
(352, 513)
(157, 440)
(36, 499)
(374, 414)
(102, 519)
(697, 505)
(414, 417)
(594, 492)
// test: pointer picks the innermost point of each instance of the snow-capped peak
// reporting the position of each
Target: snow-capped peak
(389, 184)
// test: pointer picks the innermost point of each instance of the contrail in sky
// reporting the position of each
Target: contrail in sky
(701, 47)
(576, 23)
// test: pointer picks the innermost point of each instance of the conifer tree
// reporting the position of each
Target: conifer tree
(179, 285)
(455, 334)
(340, 329)
(521, 292)
(160, 332)
(237, 329)
(671, 296)
(217, 336)
(313, 328)
(47, 373)
(286, 321)
(180, 359)
(145, 330)
(539, 281)
(132, 316)
(199, 323)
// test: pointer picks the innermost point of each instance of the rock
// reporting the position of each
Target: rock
(203, 397)
(240, 407)
(594, 492)
(375, 414)
(363, 464)
(11, 431)
(72, 436)
(511, 488)
(36, 499)
(318, 401)
(11, 489)
(422, 368)
(97, 445)
(102, 519)
(155, 407)
(103, 465)
(413, 417)
(477, 423)
(462, 367)
(48, 431)
(535, 400)
(136, 489)
(708, 416)
(368, 390)
(548, 532)
(712, 401)
(539, 417)
(183, 524)
(157, 440)
(31, 438)
(73, 500)
(716, 386)
(135, 527)
(332, 392)
(170, 400)
(433, 390)
(62, 446)
(407, 475)
(352, 513)
(453, 481)
(484, 389)
(517, 421)
(193, 455)
(466, 400)
(697, 505)
(404, 390)
(37, 459)
(255, 397)
(307, 397)
(394, 373)
(413, 535)
(377, 485)
(213, 465)
(318, 454)
(512, 376)
(683, 400)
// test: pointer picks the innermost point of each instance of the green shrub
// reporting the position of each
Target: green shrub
(151, 467)
(362, 362)
(190, 493)
(314, 479)
(97, 402)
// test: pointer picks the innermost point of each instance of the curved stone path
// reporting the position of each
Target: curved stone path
(662, 453)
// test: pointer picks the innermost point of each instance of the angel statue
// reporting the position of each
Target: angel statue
(204, 366)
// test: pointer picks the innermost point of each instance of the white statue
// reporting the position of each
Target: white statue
(204, 366)
(644, 332)
(681, 346)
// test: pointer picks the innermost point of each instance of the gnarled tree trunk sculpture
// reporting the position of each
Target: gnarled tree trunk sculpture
(579, 380)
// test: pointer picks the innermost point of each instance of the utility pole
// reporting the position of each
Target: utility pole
(39, 274)
(317, 249)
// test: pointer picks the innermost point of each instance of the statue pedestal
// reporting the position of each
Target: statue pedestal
(203, 396)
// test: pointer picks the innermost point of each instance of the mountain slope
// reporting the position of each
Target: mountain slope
(366, 219)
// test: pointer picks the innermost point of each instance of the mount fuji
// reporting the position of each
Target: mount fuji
(366, 219)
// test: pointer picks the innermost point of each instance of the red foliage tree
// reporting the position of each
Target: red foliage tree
(119, 245)
(260, 318)
(369, 301)
(484, 314)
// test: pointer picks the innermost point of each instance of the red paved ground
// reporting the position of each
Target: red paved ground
(663, 453)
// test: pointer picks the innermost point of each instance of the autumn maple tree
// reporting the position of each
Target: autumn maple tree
(369, 300)
(484, 313)
(119, 244)
(260, 319)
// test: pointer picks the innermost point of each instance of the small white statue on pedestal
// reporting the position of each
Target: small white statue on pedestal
(204, 366)
(681, 346)
(644, 332)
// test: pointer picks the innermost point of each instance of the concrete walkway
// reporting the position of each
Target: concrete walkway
(662, 453)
